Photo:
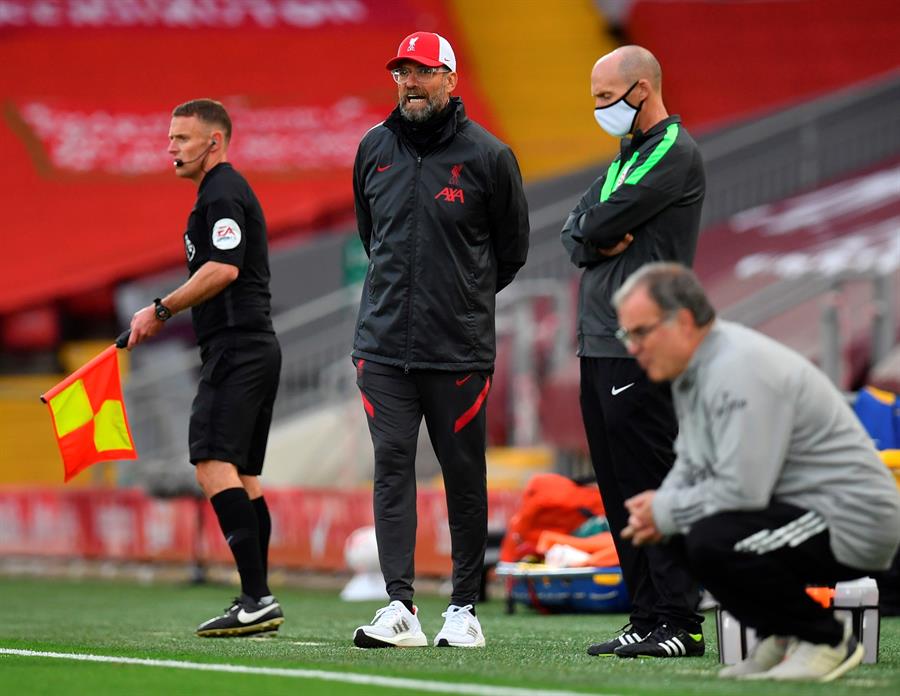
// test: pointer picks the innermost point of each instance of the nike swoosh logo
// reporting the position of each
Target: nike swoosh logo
(615, 391)
(384, 168)
(246, 617)
(462, 381)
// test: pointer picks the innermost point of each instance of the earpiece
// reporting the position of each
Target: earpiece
(180, 163)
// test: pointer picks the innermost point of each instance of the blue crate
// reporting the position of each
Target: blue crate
(558, 590)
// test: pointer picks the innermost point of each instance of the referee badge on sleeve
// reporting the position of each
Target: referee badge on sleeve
(226, 234)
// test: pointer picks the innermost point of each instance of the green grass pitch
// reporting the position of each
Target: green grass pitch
(526, 653)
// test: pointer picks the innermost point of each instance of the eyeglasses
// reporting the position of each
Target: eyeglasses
(639, 334)
(422, 73)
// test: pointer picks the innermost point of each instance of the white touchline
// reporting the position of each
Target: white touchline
(349, 678)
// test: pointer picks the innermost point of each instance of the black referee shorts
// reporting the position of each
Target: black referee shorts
(232, 411)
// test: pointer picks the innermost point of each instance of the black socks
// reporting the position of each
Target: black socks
(264, 520)
(239, 524)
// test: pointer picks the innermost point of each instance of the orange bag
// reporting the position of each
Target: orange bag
(549, 502)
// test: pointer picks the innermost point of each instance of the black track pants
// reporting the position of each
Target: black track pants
(453, 405)
(630, 425)
(758, 563)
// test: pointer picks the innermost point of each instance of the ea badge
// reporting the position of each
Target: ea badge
(226, 234)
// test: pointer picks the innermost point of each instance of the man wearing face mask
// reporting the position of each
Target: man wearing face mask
(645, 208)
(442, 216)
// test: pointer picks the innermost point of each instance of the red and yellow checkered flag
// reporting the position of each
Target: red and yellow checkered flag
(89, 415)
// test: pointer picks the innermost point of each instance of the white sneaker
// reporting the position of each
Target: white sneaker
(461, 629)
(818, 662)
(394, 626)
(765, 655)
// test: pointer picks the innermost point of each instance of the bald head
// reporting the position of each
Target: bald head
(633, 63)
(638, 63)
(632, 72)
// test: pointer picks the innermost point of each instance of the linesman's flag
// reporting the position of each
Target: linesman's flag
(89, 415)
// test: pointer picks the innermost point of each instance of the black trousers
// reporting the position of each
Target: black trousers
(454, 406)
(630, 425)
(758, 563)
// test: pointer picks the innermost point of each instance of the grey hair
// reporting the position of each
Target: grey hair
(672, 287)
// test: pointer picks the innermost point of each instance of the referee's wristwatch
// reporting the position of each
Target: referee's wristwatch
(163, 313)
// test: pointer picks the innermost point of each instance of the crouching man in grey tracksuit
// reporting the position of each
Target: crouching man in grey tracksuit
(775, 486)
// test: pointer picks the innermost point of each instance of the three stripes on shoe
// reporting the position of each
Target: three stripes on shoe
(673, 647)
(629, 638)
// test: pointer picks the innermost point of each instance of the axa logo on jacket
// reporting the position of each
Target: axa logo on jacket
(451, 195)
(453, 192)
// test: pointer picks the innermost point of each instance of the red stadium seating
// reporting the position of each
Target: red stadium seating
(88, 90)
(727, 60)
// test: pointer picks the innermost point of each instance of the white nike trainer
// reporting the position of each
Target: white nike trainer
(461, 629)
(394, 626)
(244, 617)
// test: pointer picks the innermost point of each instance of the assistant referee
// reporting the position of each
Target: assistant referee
(228, 293)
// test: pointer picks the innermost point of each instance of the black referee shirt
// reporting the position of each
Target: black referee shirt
(227, 226)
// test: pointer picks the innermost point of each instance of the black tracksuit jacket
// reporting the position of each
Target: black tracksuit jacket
(654, 190)
(444, 232)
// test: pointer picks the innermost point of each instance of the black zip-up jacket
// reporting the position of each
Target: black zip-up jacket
(444, 232)
(654, 190)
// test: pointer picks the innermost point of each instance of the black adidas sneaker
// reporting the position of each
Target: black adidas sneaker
(627, 636)
(665, 641)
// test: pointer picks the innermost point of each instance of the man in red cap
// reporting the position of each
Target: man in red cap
(443, 218)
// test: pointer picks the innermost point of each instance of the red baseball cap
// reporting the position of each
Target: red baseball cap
(426, 48)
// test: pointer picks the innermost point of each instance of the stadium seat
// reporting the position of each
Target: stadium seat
(33, 329)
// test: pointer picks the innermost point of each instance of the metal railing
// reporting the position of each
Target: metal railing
(316, 340)
(777, 155)
(778, 298)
